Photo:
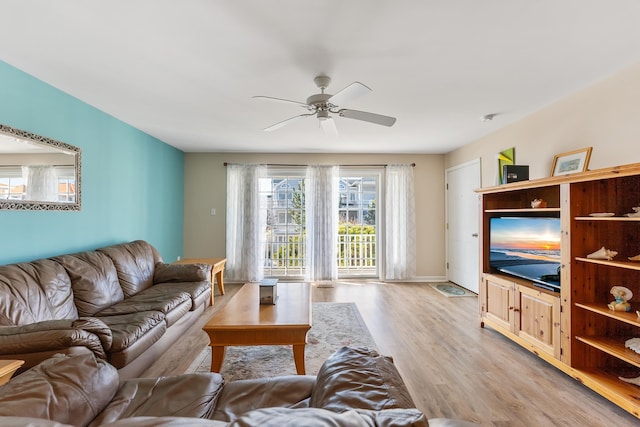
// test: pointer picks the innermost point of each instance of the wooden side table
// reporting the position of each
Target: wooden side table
(8, 368)
(217, 270)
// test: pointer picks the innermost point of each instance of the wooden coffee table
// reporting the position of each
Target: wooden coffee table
(244, 321)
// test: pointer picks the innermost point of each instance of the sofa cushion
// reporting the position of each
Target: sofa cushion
(126, 329)
(29, 422)
(35, 291)
(173, 303)
(242, 396)
(198, 291)
(94, 280)
(359, 378)
(135, 262)
(189, 395)
(67, 389)
(316, 417)
(161, 422)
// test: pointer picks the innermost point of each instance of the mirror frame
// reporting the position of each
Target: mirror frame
(34, 205)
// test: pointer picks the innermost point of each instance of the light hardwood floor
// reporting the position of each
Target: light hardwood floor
(452, 367)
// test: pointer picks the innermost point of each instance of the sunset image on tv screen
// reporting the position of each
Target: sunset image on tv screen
(526, 236)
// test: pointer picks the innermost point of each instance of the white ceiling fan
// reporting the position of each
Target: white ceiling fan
(323, 105)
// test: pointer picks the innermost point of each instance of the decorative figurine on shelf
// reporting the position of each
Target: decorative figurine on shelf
(538, 203)
(622, 295)
(635, 213)
(632, 344)
(603, 253)
(634, 258)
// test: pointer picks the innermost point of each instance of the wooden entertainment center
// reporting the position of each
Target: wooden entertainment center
(574, 329)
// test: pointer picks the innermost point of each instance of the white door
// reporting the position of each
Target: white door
(463, 221)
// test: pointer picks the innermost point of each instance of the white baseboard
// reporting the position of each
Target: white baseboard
(421, 279)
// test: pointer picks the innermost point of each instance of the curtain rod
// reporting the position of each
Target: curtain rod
(287, 164)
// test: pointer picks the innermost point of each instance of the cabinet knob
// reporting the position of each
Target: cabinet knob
(474, 235)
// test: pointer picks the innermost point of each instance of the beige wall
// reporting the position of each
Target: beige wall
(205, 188)
(605, 116)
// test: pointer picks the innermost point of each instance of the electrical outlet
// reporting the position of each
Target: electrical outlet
(213, 211)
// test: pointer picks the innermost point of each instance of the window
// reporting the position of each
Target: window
(283, 193)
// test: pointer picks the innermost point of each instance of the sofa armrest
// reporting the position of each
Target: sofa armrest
(56, 335)
(67, 389)
(359, 378)
(164, 273)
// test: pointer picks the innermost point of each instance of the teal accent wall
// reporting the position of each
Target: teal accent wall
(132, 183)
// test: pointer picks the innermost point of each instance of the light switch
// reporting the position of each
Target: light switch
(213, 211)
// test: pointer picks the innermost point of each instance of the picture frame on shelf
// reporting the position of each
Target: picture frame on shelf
(571, 162)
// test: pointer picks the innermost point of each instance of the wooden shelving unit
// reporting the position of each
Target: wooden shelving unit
(591, 347)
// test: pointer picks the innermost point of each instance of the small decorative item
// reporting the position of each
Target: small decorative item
(634, 258)
(622, 295)
(515, 173)
(571, 162)
(603, 253)
(538, 203)
(268, 291)
(635, 213)
(505, 157)
(635, 381)
(633, 344)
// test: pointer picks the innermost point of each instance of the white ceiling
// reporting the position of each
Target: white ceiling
(185, 71)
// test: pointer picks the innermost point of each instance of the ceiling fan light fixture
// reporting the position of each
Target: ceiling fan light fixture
(323, 114)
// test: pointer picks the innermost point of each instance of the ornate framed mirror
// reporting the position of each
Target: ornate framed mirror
(38, 173)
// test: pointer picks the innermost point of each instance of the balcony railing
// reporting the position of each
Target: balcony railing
(285, 255)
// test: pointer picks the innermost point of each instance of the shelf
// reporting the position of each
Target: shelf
(608, 384)
(523, 210)
(607, 218)
(629, 265)
(631, 317)
(613, 346)
(592, 339)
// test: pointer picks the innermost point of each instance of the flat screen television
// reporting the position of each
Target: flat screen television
(527, 247)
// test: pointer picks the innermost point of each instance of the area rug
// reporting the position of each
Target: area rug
(334, 325)
(449, 289)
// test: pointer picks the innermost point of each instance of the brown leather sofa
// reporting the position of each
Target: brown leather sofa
(120, 303)
(355, 387)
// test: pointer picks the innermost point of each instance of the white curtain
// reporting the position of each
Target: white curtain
(400, 224)
(246, 223)
(321, 203)
(41, 183)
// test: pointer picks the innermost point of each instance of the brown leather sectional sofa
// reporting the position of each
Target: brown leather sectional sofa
(355, 387)
(120, 303)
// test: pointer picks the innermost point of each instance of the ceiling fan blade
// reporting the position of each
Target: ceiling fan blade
(378, 119)
(349, 93)
(328, 125)
(271, 98)
(284, 122)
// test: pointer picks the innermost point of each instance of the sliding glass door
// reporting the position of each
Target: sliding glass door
(357, 234)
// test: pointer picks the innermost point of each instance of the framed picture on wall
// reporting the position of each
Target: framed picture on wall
(571, 162)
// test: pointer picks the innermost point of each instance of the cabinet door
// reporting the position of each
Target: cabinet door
(539, 317)
(498, 301)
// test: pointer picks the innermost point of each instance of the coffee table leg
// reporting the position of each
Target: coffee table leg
(217, 357)
(298, 357)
